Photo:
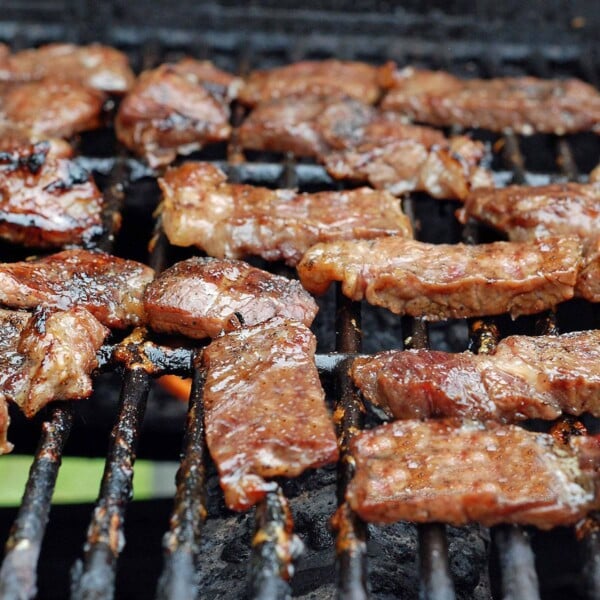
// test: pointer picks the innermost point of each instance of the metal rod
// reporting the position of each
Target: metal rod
(590, 543)
(18, 574)
(181, 543)
(95, 577)
(514, 157)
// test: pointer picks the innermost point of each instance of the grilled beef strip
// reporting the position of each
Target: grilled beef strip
(203, 297)
(46, 356)
(265, 411)
(355, 141)
(47, 201)
(109, 287)
(230, 220)
(523, 378)
(525, 105)
(454, 471)
(332, 78)
(94, 66)
(176, 109)
(441, 281)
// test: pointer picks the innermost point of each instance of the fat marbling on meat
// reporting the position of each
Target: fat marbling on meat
(265, 413)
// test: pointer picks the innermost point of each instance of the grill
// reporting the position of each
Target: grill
(206, 550)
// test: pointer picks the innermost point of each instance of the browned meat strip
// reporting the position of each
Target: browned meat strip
(523, 104)
(524, 378)
(595, 174)
(95, 66)
(531, 212)
(265, 410)
(455, 472)
(111, 288)
(5, 445)
(49, 108)
(333, 78)
(234, 220)
(203, 297)
(441, 281)
(176, 109)
(588, 283)
(357, 142)
(47, 201)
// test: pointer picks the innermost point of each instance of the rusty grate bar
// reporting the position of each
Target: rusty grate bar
(18, 573)
(95, 576)
(179, 578)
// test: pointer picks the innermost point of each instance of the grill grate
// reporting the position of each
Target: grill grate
(270, 560)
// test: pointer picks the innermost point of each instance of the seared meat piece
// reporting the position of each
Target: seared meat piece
(524, 378)
(441, 281)
(455, 472)
(588, 282)
(333, 78)
(265, 411)
(523, 104)
(595, 175)
(47, 201)
(111, 288)
(44, 357)
(355, 141)
(531, 212)
(203, 297)
(176, 109)
(49, 108)
(234, 220)
(95, 66)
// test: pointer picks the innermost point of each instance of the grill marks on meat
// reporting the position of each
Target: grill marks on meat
(94, 66)
(524, 378)
(203, 297)
(332, 78)
(47, 201)
(456, 472)
(355, 141)
(235, 220)
(441, 281)
(265, 412)
(44, 357)
(176, 109)
(524, 104)
(111, 288)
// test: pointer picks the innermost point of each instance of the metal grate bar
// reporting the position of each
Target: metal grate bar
(18, 573)
(95, 578)
(179, 578)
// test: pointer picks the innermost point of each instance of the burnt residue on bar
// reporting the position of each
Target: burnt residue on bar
(19, 570)
(179, 578)
(94, 577)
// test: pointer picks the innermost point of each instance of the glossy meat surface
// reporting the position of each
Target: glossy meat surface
(176, 109)
(441, 281)
(524, 378)
(95, 66)
(235, 220)
(47, 201)
(524, 104)
(265, 411)
(111, 288)
(333, 78)
(457, 472)
(203, 297)
(588, 282)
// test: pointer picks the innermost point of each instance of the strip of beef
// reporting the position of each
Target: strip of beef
(47, 201)
(441, 281)
(203, 297)
(176, 109)
(235, 220)
(265, 411)
(5, 445)
(588, 282)
(333, 78)
(456, 472)
(524, 378)
(49, 108)
(523, 104)
(111, 288)
(355, 141)
(94, 66)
